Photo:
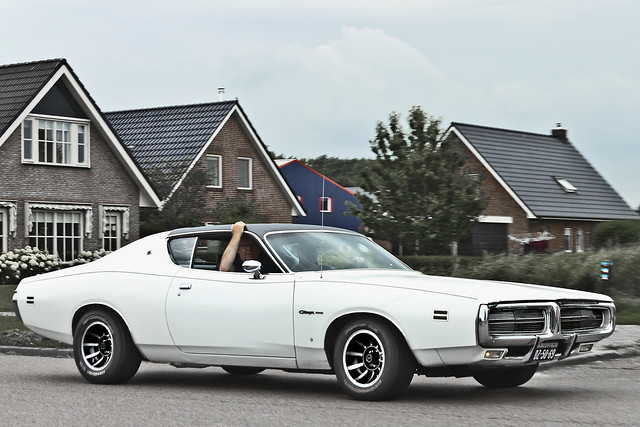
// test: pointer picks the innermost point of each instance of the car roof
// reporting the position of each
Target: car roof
(259, 229)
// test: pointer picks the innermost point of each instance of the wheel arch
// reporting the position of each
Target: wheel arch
(92, 307)
(339, 322)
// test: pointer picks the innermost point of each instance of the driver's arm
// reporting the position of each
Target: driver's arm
(229, 254)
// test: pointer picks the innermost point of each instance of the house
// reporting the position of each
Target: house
(67, 183)
(215, 138)
(324, 200)
(541, 193)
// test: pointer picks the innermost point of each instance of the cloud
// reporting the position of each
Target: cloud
(347, 82)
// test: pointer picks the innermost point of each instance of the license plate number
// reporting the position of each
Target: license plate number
(544, 352)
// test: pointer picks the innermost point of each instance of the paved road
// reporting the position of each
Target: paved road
(49, 391)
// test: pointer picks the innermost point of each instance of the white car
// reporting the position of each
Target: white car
(319, 300)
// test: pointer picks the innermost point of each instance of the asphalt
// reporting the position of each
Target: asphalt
(625, 342)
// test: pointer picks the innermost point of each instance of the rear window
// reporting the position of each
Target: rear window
(181, 249)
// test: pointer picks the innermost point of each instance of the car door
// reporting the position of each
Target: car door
(231, 313)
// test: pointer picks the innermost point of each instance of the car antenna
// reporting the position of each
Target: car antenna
(322, 200)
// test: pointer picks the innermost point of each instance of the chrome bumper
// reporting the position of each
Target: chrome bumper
(519, 347)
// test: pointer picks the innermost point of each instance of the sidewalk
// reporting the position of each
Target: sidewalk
(624, 342)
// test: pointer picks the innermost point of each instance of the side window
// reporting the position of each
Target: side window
(209, 252)
(181, 250)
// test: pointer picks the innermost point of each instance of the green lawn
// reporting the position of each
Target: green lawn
(6, 294)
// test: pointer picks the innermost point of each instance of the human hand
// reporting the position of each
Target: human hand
(238, 228)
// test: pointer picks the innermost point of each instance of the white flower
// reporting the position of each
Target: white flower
(14, 266)
(24, 266)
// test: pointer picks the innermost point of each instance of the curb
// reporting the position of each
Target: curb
(60, 353)
(594, 357)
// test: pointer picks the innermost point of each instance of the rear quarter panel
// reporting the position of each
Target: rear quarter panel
(132, 281)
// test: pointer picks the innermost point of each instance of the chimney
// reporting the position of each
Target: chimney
(221, 93)
(560, 133)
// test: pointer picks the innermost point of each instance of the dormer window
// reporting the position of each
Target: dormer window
(566, 185)
(55, 141)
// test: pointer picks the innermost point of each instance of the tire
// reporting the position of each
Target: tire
(242, 370)
(372, 361)
(103, 349)
(506, 377)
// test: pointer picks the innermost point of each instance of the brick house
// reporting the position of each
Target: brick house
(541, 193)
(216, 138)
(67, 183)
(323, 199)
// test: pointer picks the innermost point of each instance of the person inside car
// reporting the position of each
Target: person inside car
(242, 248)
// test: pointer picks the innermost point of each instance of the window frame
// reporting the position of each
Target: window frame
(106, 232)
(329, 204)
(579, 240)
(4, 228)
(249, 173)
(568, 239)
(218, 159)
(54, 236)
(567, 186)
(71, 151)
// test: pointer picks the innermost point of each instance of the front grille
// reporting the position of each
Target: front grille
(516, 321)
(580, 319)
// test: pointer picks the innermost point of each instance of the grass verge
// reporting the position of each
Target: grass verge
(6, 295)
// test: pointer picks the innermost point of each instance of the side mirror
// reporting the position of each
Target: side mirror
(253, 266)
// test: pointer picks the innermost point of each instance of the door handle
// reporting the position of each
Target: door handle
(185, 286)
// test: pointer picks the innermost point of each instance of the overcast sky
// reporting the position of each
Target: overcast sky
(314, 77)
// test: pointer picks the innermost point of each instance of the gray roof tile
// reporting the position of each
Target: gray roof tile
(19, 84)
(528, 163)
(168, 138)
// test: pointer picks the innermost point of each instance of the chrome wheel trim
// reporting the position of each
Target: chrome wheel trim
(363, 358)
(97, 345)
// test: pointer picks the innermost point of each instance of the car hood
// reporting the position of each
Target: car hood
(485, 291)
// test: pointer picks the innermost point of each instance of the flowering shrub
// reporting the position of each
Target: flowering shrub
(85, 257)
(20, 263)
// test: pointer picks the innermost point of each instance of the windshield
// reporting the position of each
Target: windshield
(308, 251)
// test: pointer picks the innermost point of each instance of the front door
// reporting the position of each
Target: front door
(231, 313)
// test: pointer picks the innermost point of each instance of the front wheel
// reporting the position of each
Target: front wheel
(506, 377)
(372, 361)
(103, 349)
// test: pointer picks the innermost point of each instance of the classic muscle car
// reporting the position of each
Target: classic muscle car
(319, 299)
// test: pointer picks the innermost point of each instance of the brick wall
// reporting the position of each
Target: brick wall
(233, 142)
(105, 182)
(500, 203)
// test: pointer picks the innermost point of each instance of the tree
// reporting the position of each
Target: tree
(182, 208)
(421, 201)
(236, 209)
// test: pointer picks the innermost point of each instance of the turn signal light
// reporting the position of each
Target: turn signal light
(494, 354)
(585, 348)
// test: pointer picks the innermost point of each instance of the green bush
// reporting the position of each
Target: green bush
(85, 257)
(439, 265)
(613, 233)
(568, 270)
(17, 264)
(20, 263)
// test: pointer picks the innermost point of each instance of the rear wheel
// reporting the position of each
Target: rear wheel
(103, 349)
(372, 361)
(242, 370)
(506, 377)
